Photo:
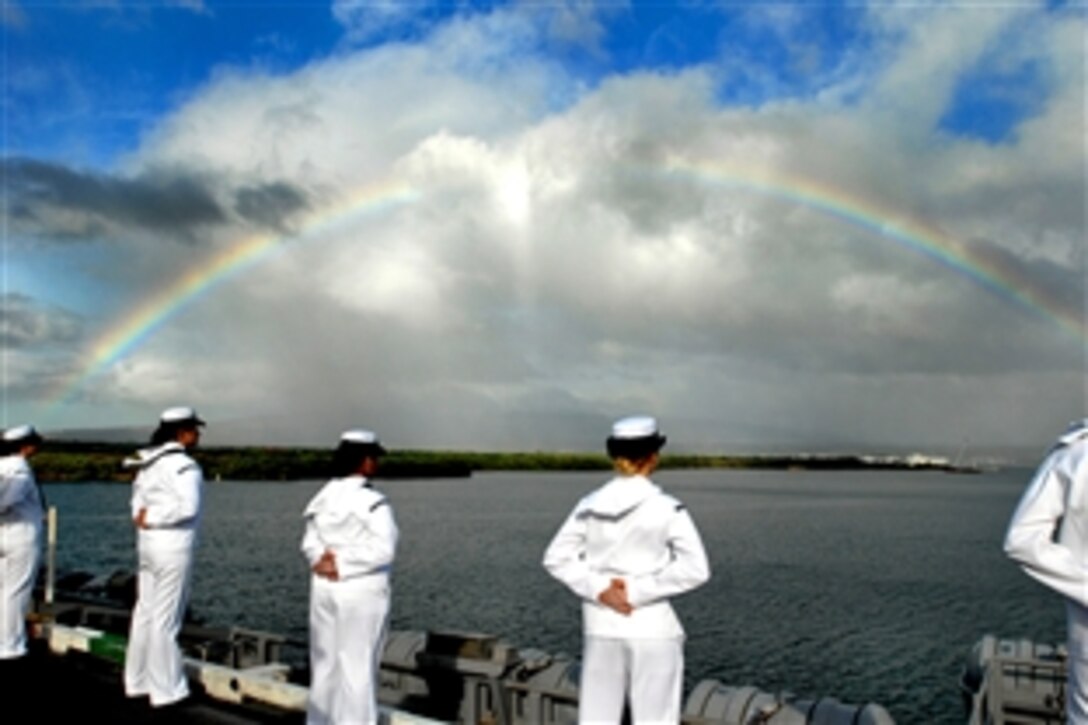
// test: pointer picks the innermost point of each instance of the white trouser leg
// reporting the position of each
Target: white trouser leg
(603, 687)
(348, 622)
(18, 568)
(657, 674)
(323, 641)
(136, 681)
(153, 663)
(649, 672)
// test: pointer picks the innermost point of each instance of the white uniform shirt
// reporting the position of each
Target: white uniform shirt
(356, 523)
(20, 500)
(168, 485)
(629, 529)
(1048, 535)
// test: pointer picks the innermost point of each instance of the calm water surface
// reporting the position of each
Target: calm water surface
(864, 586)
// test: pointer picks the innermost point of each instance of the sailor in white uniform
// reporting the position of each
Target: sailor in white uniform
(1048, 537)
(350, 542)
(166, 506)
(20, 536)
(625, 549)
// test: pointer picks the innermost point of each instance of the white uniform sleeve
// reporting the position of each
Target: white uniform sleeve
(377, 549)
(139, 497)
(565, 559)
(14, 487)
(180, 502)
(687, 567)
(1030, 539)
(312, 545)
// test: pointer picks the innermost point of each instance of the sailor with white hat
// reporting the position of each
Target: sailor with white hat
(166, 507)
(625, 549)
(20, 536)
(1048, 537)
(350, 542)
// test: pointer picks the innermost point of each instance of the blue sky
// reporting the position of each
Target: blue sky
(118, 70)
(88, 80)
(143, 139)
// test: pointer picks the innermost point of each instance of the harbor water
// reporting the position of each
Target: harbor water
(868, 586)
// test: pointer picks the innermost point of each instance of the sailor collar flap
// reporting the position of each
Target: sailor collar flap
(13, 465)
(618, 497)
(146, 456)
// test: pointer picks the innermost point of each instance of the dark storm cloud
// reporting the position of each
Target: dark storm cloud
(52, 200)
(1059, 288)
(26, 323)
(270, 205)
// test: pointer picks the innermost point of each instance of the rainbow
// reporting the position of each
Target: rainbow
(141, 323)
(1001, 280)
(992, 273)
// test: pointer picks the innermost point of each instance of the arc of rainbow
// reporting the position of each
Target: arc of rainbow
(923, 238)
(143, 321)
(1004, 282)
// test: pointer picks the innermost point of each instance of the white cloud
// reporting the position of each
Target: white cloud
(938, 44)
(363, 19)
(577, 23)
(26, 323)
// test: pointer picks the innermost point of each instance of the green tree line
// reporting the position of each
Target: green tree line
(80, 461)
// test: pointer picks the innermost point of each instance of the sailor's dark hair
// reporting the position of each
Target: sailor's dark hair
(634, 449)
(168, 432)
(349, 455)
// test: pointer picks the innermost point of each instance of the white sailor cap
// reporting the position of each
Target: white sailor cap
(360, 437)
(636, 426)
(179, 415)
(635, 436)
(21, 433)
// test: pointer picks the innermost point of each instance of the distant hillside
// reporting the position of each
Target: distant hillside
(101, 461)
(97, 461)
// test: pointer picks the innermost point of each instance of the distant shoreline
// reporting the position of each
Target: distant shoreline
(88, 461)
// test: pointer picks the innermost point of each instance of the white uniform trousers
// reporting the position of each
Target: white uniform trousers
(348, 621)
(647, 672)
(19, 555)
(153, 663)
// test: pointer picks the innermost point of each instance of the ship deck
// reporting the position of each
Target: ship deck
(76, 688)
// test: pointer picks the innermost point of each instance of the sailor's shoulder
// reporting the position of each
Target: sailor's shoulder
(668, 502)
(367, 498)
(174, 462)
(187, 465)
(1072, 455)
